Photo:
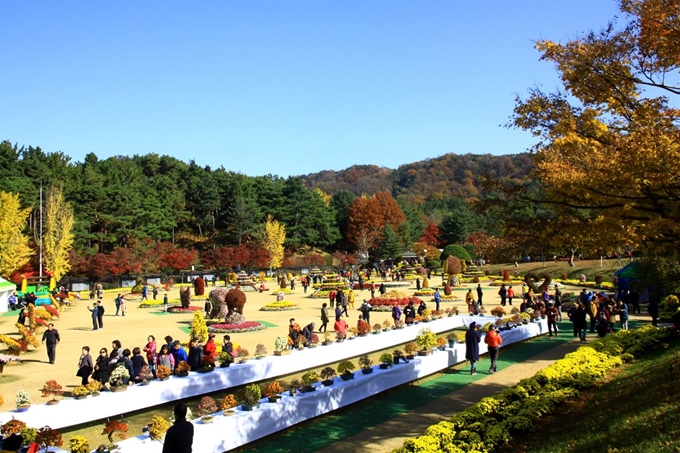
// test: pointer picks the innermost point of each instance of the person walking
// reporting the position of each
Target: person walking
(472, 339)
(396, 314)
(51, 338)
(493, 341)
(503, 293)
(155, 290)
(480, 294)
(623, 315)
(437, 299)
(95, 316)
(117, 301)
(85, 365)
(324, 317)
(510, 293)
(165, 303)
(653, 310)
(578, 317)
(145, 293)
(150, 350)
(365, 310)
(552, 313)
(123, 305)
(180, 436)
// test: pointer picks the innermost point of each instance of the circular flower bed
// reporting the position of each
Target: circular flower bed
(191, 309)
(280, 306)
(282, 290)
(249, 326)
(158, 303)
(320, 295)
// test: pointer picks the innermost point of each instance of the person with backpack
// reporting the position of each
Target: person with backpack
(503, 293)
(396, 314)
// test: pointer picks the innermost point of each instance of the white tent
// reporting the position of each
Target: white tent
(6, 289)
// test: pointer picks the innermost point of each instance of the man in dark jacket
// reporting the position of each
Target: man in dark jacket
(180, 436)
(472, 339)
(51, 338)
(195, 358)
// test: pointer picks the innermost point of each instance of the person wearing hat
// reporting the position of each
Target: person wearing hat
(472, 339)
(493, 340)
(552, 313)
(209, 350)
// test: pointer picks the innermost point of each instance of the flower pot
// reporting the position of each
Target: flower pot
(207, 369)
(442, 348)
(326, 343)
(259, 357)
(144, 383)
(425, 352)
(183, 374)
(347, 376)
(97, 393)
(366, 370)
(247, 407)
(384, 366)
(228, 412)
(376, 332)
(52, 402)
(340, 340)
(80, 397)
(207, 419)
(409, 357)
(327, 382)
(119, 388)
(243, 361)
(274, 399)
(307, 388)
(22, 408)
(292, 391)
(163, 378)
(225, 365)
(452, 343)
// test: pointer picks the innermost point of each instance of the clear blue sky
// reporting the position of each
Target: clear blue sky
(281, 87)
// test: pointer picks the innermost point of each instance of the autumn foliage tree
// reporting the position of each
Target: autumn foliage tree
(58, 235)
(610, 143)
(274, 237)
(368, 217)
(14, 248)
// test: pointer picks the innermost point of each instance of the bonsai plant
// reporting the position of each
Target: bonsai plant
(145, 375)
(308, 379)
(260, 351)
(377, 328)
(115, 428)
(206, 407)
(498, 312)
(48, 437)
(340, 337)
(314, 341)
(243, 355)
(451, 338)
(354, 331)
(281, 346)
(385, 360)
(426, 339)
(224, 358)
(410, 349)
(78, 444)
(386, 325)
(327, 374)
(365, 363)
(162, 372)
(80, 392)
(158, 427)
(251, 397)
(117, 377)
(295, 384)
(94, 387)
(399, 324)
(53, 389)
(273, 392)
(182, 369)
(398, 355)
(363, 328)
(13, 426)
(29, 435)
(345, 369)
(228, 404)
(327, 338)
(441, 343)
(22, 401)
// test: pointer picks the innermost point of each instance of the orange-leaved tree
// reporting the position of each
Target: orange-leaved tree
(368, 217)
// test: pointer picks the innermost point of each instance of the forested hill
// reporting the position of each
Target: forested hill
(450, 175)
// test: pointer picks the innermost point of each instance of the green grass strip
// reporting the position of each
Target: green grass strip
(339, 425)
(267, 324)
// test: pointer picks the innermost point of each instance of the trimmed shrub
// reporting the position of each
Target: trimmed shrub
(457, 251)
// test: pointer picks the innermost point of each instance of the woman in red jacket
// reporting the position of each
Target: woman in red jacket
(493, 341)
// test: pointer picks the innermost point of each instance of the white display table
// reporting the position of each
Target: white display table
(71, 412)
(229, 432)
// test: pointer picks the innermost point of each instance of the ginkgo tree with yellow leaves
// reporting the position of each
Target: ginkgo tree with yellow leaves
(272, 241)
(14, 248)
(58, 235)
(609, 143)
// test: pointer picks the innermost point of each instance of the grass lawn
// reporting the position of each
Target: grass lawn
(634, 410)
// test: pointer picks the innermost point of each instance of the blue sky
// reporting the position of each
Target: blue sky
(280, 87)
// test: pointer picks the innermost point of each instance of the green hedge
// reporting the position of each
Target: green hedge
(494, 420)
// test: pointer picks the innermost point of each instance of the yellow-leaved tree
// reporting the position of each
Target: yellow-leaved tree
(14, 248)
(58, 237)
(274, 236)
(609, 144)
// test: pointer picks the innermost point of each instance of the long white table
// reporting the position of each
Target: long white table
(71, 412)
(229, 432)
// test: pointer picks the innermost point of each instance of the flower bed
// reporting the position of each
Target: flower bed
(280, 306)
(389, 300)
(249, 326)
(367, 285)
(493, 421)
(190, 309)
(159, 303)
